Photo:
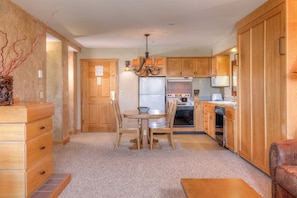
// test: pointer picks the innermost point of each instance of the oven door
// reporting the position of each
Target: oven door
(184, 116)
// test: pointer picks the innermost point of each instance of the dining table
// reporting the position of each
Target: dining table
(144, 119)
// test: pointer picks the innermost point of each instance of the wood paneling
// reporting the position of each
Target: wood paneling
(262, 83)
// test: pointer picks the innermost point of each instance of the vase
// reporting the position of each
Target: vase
(6, 90)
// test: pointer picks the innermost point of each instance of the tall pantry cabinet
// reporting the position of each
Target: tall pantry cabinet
(265, 80)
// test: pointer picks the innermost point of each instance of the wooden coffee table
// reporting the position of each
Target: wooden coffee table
(219, 188)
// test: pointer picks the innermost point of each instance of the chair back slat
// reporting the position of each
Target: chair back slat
(172, 113)
(117, 113)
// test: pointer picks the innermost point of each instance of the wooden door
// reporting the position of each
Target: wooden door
(257, 95)
(244, 129)
(275, 81)
(99, 78)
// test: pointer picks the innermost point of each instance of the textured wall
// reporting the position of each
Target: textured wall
(15, 22)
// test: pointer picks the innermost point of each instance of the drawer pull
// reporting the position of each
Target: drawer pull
(42, 172)
(42, 127)
(42, 147)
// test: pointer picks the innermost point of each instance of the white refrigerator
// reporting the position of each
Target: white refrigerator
(152, 92)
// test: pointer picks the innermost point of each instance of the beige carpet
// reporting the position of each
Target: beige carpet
(100, 171)
(191, 142)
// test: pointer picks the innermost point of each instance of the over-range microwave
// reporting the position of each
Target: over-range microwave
(220, 81)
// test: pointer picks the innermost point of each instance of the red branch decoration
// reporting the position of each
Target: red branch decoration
(11, 57)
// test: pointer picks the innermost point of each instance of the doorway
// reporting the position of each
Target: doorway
(98, 78)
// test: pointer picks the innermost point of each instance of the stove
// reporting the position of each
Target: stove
(184, 111)
(183, 99)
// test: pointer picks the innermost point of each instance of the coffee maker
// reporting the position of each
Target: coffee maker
(196, 94)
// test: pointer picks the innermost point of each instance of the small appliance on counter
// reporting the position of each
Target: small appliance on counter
(196, 94)
(216, 97)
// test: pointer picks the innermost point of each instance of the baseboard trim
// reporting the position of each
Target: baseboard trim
(62, 142)
(187, 132)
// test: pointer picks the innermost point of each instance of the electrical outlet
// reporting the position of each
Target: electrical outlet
(41, 94)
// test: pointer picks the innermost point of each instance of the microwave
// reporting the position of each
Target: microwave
(220, 81)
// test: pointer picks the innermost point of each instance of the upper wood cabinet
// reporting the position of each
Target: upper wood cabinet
(203, 67)
(267, 100)
(220, 65)
(188, 67)
(174, 68)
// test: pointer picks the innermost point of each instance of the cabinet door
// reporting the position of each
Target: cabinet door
(188, 65)
(174, 68)
(221, 65)
(229, 128)
(209, 120)
(199, 116)
(203, 67)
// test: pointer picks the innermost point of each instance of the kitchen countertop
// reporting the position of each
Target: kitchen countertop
(224, 103)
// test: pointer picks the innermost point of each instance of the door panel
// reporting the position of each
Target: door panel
(244, 94)
(257, 90)
(97, 113)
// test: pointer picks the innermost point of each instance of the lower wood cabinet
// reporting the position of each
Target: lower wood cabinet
(230, 129)
(210, 120)
(199, 116)
(26, 160)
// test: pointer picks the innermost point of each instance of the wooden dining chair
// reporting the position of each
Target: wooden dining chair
(165, 127)
(124, 127)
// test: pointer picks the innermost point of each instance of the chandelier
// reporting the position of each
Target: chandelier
(148, 66)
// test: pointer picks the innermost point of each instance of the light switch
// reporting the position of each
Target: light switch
(39, 73)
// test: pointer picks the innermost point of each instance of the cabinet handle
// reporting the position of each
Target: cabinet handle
(42, 172)
(42, 127)
(280, 49)
(42, 147)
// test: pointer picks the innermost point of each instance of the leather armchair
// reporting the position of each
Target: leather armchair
(283, 168)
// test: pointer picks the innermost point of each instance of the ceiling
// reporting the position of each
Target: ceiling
(123, 23)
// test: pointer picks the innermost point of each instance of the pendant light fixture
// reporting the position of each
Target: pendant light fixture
(148, 66)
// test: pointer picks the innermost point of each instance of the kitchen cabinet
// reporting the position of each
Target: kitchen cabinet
(174, 68)
(199, 116)
(203, 67)
(188, 67)
(210, 120)
(220, 65)
(267, 100)
(154, 60)
(26, 160)
(230, 128)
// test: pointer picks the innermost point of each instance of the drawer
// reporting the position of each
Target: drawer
(39, 147)
(12, 184)
(38, 127)
(12, 156)
(12, 132)
(38, 174)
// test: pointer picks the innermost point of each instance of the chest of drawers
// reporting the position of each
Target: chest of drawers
(26, 160)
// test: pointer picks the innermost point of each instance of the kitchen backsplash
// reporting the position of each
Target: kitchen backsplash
(179, 87)
(203, 84)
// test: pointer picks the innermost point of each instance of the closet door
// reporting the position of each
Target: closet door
(257, 96)
(275, 79)
(244, 129)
